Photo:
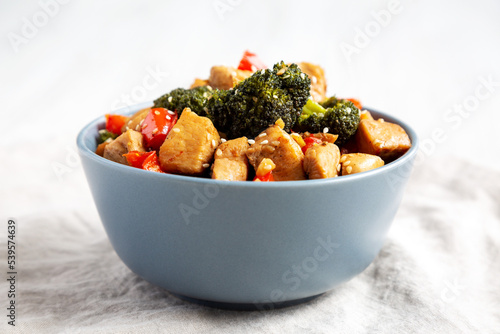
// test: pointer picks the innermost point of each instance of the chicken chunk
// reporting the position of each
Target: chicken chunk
(359, 162)
(277, 145)
(224, 77)
(387, 140)
(230, 160)
(318, 80)
(322, 161)
(128, 141)
(190, 145)
(135, 120)
(198, 82)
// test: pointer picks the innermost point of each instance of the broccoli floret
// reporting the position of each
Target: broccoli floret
(105, 135)
(340, 116)
(260, 100)
(180, 98)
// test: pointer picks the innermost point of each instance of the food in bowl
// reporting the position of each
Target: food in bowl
(254, 123)
(244, 245)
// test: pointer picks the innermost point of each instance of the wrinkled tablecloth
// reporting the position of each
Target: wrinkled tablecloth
(438, 271)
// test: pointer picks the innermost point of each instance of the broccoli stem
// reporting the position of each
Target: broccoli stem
(312, 107)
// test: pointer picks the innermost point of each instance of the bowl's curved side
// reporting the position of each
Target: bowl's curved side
(241, 242)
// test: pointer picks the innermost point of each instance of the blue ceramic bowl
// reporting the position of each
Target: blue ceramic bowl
(244, 244)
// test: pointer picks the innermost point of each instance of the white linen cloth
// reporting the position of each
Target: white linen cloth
(437, 273)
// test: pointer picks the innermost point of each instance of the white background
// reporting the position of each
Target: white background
(65, 63)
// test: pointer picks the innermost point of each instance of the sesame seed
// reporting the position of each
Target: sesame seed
(268, 167)
(338, 168)
(171, 112)
(276, 142)
(264, 142)
(209, 87)
(302, 75)
(348, 169)
(347, 162)
(205, 94)
(287, 136)
(253, 68)
(169, 118)
(176, 130)
(144, 125)
(208, 136)
(263, 134)
(169, 99)
(381, 120)
(213, 143)
(348, 110)
(325, 130)
(206, 165)
(275, 96)
(155, 130)
(157, 112)
(343, 158)
(127, 128)
(223, 140)
(251, 141)
(314, 79)
(281, 71)
(233, 74)
(263, 71)
(137, 127)
(142, 121)
(218, 153)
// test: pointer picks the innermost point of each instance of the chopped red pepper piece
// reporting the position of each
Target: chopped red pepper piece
(251, 62)
(356, 103)
(310, 141)
(143, 160)
(268, 177)
(157, 125)
(114, 123)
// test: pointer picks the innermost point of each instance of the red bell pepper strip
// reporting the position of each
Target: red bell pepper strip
(143, 160)
(355, 102)
(157, 125)
(310, 141)
(268, 177)
(251, 62)
(114, 123)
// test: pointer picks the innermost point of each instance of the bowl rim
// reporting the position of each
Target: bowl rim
(98, 122)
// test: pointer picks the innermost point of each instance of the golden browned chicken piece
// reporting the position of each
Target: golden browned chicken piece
(387, 140)
(135, 120)
(225, 77)
(322, 161)
(318, 80)
(190, 145)
(199, 82)
(359, 162)
(230, 160)
(277, 145)
(128, 141)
